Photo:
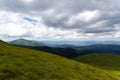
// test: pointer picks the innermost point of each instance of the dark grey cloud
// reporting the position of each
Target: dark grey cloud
(41, 5)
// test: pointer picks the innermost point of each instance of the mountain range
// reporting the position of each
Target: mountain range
(68, 51)
(63, 43)
(26, 42)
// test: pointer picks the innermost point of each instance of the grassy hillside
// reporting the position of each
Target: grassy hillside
(25, 64)
(106, 61)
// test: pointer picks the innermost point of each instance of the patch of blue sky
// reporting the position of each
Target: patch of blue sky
(31, 20)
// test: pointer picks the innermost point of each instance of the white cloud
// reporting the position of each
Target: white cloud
(12, 29)
(13, 25)
(28, 1)
(84, 16)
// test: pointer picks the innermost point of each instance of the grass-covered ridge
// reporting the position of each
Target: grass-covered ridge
(106, 61)
(25, 64)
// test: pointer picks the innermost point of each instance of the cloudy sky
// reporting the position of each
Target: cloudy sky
(60, 19)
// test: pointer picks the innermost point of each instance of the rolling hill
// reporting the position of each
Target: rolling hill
(109, 62)
(105, 61)
(25, 64)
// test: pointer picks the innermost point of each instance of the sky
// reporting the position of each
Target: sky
(60, 19)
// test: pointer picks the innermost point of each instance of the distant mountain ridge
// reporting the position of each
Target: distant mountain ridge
(26, 42)
(62, 43)
(65, 50)
(99, 48)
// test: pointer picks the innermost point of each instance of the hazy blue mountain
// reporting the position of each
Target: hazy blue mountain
(79, 43)
(99, 48)
(63, 43)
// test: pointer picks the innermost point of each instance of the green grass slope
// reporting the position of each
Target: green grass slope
(106, 61)
(25, 64)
